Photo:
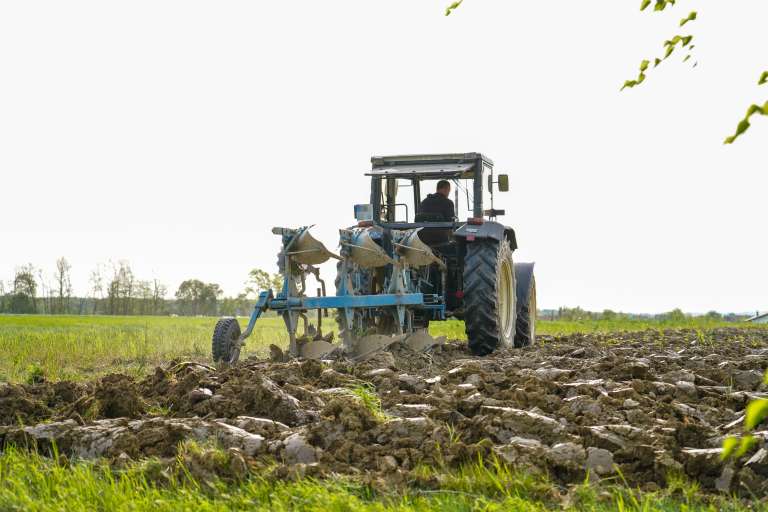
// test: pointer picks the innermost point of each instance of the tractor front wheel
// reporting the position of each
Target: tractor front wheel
(224, 342)
(490, 308)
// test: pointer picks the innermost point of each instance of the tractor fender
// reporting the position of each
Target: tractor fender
(488, 229)
(523, 278)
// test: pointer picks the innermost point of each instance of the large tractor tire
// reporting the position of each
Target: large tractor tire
(489, 296)
(226, 332)
(525, 334)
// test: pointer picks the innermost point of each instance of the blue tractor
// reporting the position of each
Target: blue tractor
(400, 268)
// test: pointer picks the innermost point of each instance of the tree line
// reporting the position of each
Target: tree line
(114, 289)
(676, 315)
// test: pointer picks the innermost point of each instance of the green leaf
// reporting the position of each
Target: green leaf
(662, 4)
(729, 445)
(452, 7)
(741, 128)
(747, 442)
(644, 4)
(628, 84)
(765, 377)
(763, 80)
(690, 17)
(757, 410)
(640, 77)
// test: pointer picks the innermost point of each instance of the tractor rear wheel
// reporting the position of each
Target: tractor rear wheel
(525, 334)
(489, 296)
(225, 334)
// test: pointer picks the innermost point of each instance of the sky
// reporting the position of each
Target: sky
(175, 134)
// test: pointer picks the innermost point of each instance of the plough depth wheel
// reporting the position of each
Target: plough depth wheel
(225, 345)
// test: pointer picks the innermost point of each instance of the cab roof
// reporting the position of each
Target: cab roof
(451, 165)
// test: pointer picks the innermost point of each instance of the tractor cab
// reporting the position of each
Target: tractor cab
(399, 184)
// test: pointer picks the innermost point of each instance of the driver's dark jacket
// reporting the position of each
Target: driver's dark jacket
(437, 205)
(435, 208)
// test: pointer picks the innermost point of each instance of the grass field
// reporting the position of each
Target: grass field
(31, 482)
(81, 347)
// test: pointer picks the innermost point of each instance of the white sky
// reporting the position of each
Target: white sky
(175, 134)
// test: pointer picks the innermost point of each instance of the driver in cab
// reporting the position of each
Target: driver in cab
(437, 207)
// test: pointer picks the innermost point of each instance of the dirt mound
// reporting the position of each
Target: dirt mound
(30, 403)
(641, 405)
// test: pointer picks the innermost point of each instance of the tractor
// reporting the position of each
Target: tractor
(400, 268)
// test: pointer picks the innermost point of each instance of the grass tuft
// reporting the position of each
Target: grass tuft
(366, 393)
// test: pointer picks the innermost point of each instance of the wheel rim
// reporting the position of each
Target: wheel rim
(506, 304)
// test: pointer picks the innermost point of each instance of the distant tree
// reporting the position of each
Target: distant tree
(143, 295)
(158, 297)
(713, 315)
(235, 306)
(676, 315)
(45, 292)
(261, 280)
(120, 292)
(96, 280)
(24, 296)
(63, 286)
(198, 298)
(608, 314)
(573, 314)
(2, 296)
(188, 296)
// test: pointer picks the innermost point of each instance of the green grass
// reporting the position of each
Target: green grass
(34, 483)
(454, 329)
(82, 347)
(367, 395)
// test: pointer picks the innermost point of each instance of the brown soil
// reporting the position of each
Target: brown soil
(644, 404)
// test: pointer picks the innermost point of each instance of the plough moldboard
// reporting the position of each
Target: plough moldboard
(368, 323)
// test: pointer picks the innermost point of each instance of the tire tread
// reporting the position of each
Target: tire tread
(226, 330)
(481, 265)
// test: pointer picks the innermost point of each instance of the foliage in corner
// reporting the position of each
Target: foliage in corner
(670, 45)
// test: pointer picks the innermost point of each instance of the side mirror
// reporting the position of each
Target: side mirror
(364, 212)
(503, 183)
